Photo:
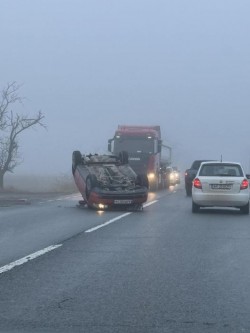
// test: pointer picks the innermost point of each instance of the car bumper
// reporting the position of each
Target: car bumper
(221, 200)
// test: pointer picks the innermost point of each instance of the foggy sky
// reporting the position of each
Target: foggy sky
(91, 65)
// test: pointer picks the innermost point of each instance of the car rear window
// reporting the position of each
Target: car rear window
(221, 169)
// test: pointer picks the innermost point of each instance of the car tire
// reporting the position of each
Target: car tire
(195, 208)
(188, 192)
(245, 209)
(142, 180)
(91, 182)
(76, 160)
(123, 157)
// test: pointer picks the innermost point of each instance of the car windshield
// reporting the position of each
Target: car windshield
(221, 169)
(134, 145)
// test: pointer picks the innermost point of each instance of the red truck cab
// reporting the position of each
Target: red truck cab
(144, 145)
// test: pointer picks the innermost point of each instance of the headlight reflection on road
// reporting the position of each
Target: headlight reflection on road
(151, 196)
(171, 188)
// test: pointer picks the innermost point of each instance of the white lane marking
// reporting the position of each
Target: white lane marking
(108, 222)
(150, 203)
(116, 218)
(32, 256)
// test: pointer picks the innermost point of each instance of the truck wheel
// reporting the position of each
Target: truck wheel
(163, 182)
(76, 159)
(154, 186)
(91, 182)
(123, 157)
(142, 180)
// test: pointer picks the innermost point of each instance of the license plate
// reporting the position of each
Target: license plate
(221, 186)
(122, 202)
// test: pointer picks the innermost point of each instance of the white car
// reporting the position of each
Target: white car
(221, 184)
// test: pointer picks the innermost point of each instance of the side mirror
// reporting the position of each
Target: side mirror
(109, 145)
(248, 176)
(159, 146)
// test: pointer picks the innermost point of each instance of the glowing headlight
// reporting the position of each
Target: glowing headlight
(101, 206)
(171, 176)
(151, 175)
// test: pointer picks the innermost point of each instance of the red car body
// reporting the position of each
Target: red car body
(107, 181)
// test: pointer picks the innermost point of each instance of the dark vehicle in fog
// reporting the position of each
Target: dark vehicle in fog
(107, 181)
(190, 175)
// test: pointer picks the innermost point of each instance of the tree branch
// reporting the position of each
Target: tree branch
(9, 96)
(11, 126)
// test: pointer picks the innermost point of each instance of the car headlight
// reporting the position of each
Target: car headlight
(151, 175)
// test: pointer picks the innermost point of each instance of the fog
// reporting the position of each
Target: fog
(91, 65)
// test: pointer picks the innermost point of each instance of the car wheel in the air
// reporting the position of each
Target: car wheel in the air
(142, 180)
(76, 159)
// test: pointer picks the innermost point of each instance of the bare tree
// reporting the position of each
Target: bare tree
(11, 126)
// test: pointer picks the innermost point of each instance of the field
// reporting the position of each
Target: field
(62, 183)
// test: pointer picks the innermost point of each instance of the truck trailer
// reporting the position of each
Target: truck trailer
(144, 147)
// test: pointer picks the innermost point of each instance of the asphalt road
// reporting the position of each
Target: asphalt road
(160, 270)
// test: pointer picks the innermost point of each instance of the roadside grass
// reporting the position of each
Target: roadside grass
(62, 183)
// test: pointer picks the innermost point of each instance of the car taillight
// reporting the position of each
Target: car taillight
(197, 183)
(244, 184)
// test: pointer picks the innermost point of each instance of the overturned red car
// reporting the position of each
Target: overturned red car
(107, 181)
